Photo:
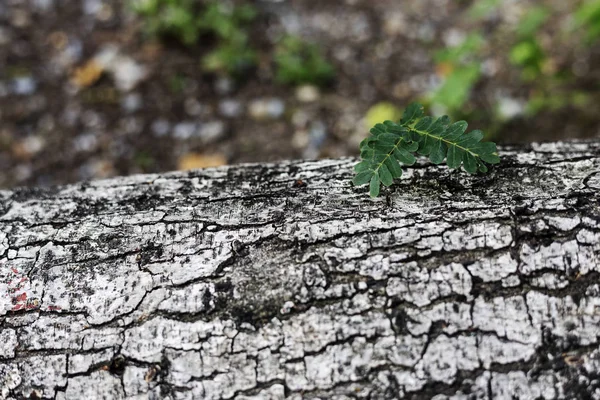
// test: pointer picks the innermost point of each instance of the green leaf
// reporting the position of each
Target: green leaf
(454, 157)
(438, 152)
(404, 156)
(378, 129)
(394, 167)
(487, 152)
(374, 186)
(388, 138)
(424, 124)
(362, 166)
(383, 147)
(367, 153)
(409, 146)
(470, 139)
(439, 126)
(412, 112)
(490, 158)
(455, 130)
(470, 163)
(396, 130)
(362, 177)
(425, 145)
(390, 146)
(378, 158)
(485, 147)
(385, 175)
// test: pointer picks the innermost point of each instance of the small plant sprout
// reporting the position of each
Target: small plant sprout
(391, 145)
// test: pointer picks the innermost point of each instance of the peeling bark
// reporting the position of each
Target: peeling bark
(245, 283)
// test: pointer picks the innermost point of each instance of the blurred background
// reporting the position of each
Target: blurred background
(98, 88)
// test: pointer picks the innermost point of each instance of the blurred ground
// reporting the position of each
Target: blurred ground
(85, 94)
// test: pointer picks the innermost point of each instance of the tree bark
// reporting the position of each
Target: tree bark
(283, 280)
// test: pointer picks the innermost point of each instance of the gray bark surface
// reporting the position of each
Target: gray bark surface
(283, 281)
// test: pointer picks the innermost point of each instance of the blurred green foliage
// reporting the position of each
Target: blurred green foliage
(226, 21)
(483, 8)
(527, 53)
(298, 62)
(191, 21)
(233, 57)
(532, 20)
(460, 67)
(233, 54)
(187, 21)
(539, 101)
(173, 18)
(536, 52)
(587, 16)
(456, 89)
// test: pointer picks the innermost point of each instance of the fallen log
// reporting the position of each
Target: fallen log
(277, 281)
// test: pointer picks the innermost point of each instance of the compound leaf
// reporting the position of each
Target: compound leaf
(392, 145)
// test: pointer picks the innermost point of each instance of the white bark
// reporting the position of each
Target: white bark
(242, 283)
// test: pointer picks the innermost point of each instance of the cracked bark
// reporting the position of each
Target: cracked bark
(245, 283)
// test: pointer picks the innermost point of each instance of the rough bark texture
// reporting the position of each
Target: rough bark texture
(247, 283)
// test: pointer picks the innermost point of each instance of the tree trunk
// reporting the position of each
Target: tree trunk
(283, 280)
